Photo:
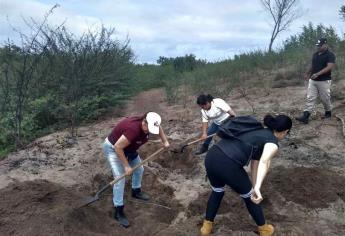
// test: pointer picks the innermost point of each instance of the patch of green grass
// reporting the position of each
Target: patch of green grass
(4, 152)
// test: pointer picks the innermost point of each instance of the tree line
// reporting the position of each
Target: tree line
(54, 79)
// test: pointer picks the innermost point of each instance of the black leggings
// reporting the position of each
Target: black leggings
(222, 170)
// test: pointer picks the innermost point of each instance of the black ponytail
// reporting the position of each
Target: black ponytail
(278, 123)
(204, 98)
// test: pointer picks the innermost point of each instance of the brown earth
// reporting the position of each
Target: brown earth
(43, 186)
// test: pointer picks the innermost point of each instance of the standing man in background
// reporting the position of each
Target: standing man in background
(319, 75)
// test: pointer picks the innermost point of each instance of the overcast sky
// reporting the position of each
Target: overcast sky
(213, 30)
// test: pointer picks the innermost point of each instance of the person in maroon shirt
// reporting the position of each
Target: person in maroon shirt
(120, 149)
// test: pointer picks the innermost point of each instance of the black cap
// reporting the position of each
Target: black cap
(321, 42)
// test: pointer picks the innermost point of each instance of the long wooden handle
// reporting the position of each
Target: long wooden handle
(200, 139)
(137, 166)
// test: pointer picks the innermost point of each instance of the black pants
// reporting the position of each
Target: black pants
(222, 170)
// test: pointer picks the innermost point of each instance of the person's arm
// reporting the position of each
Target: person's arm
(204, 127)
(270, 149)
(307, 74)
(119, 147)
(254, 170)
(328, 68)
(163, 137)
(231, 113)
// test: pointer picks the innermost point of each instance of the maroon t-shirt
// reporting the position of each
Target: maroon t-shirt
(130, 127)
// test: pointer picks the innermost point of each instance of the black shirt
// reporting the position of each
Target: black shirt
(320, 61)
(247, 146)
(258, 139)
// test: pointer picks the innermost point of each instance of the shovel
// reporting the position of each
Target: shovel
(91, 200)
(190, 143)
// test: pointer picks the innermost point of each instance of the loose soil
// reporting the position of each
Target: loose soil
(43, 186)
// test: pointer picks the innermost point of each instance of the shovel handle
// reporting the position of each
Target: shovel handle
(200, 139)
(137, 166)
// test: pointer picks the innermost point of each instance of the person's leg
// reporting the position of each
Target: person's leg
(118, 188)
(241, 183)
(217, 185)
(325, 96)
(312, 93)
(213, 203)
(117, 170)
(138, 173)
(136, 180)
(238, 179)
(211, 130)
(217, 193)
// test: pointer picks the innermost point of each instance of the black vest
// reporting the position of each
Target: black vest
(233, 146)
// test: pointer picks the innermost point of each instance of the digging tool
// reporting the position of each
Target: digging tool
(190, 143)
(91, 200)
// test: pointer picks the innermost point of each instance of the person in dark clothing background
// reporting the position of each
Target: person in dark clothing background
(224, 164)
(319, 76)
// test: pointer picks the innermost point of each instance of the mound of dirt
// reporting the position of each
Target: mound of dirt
(309, 187)
(43, 186)
(44, 208)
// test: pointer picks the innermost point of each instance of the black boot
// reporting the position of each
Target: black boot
(304, 118)
(137, 193)
(203, 149)
(328, 114)
(120, 216)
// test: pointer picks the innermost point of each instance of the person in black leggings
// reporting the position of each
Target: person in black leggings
(224, 164)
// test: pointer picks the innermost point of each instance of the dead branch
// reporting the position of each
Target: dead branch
(244, 94)
(342, 122)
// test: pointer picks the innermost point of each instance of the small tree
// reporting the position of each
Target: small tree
(87, 68)
(283, 12)
(19, 70)
(342, 12)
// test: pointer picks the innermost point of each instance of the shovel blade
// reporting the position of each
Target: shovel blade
(90, 200)
(183, 147)
(175, 151)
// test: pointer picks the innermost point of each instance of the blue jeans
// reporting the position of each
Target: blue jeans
(118, 169)
(211, 130)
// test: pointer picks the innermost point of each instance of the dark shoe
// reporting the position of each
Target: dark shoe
(120, 216)
(137, 193)
(328, 114)
(202, 150)
(304, 118)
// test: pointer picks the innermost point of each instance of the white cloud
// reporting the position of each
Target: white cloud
(209, 29)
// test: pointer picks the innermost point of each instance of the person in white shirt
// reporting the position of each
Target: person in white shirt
(215, 110)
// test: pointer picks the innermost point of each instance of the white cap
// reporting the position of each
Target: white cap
(153, 122)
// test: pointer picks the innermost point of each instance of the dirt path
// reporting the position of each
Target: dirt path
(45, 183)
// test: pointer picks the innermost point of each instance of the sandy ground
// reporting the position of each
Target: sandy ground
(43, 186)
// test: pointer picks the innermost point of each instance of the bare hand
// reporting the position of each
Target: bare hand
(203, 136)
(306, 76)
(128, 170)
(256, 196)
(314, 76)
(166, 144)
